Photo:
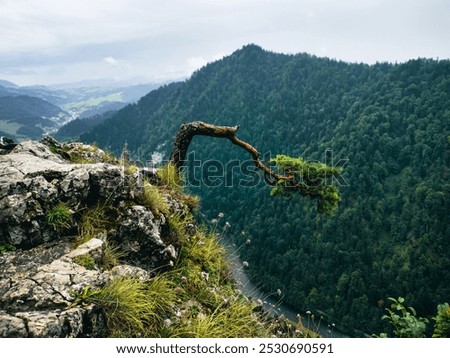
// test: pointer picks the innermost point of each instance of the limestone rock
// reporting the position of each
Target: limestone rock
(36, 295)
(33, 180)
(42, 282)
(144, 246)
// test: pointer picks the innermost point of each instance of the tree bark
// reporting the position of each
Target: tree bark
(188, 130)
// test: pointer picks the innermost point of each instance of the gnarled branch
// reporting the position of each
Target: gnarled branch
(188, 130)
(307, 179)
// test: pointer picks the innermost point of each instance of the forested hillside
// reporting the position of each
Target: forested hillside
(390, 235)
(26, 116)
(75, 128)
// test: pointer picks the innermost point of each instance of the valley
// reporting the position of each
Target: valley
(389, 124)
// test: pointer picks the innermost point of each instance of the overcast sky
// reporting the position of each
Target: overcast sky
(59, 41)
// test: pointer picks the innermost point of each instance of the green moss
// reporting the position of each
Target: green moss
(6, 247)
(87, 261)
(59, 217)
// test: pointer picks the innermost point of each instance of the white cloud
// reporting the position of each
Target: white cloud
(196, 62)
(111, 60)
(152, 38)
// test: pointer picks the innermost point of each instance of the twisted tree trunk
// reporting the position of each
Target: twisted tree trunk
(188, 130)
(306, 179)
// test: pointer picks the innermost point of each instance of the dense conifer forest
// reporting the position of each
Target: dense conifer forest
(386, 124)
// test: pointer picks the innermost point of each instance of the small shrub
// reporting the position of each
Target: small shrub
(84, 297)
(442, 321)
(59, 217)
(404, 320)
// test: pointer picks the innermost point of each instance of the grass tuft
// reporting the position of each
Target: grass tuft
(93, 222)
(192, 201)
(154, 200)
(131, 170)
(171, 177)
(177, 229)
(111, 256)
(59, 217)
(204, 249)
(236, 320)
(135, 308)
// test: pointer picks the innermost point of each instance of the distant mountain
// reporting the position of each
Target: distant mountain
(101, 108)
(23, 117)
(56, 105)
(74, 129)
(7, 84)
(85, 101)
(389, 237)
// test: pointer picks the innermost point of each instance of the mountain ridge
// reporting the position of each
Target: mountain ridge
(73, 102)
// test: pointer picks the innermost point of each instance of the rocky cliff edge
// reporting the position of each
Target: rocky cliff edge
(92, 248)
(39, 273)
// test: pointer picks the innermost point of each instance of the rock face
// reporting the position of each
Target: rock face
(33, 180)
(40, 280)
(37, 289)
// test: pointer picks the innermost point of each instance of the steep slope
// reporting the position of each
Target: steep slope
(390, 121)
(90, 248)
(79, 126)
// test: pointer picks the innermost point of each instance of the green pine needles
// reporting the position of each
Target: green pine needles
(311, 179)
